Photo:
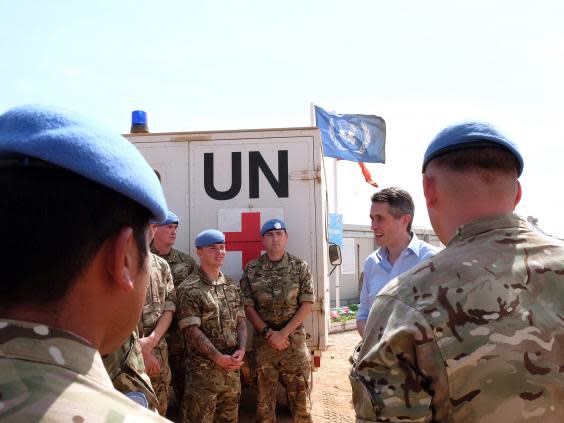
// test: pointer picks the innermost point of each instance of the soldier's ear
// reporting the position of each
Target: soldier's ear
(518, 195)
(429, 190)
(121, 258)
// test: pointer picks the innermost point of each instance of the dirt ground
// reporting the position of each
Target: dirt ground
(331, 394)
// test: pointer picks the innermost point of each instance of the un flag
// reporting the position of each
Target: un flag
(358, 138)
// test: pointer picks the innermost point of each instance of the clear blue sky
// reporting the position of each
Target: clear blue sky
(248, 64)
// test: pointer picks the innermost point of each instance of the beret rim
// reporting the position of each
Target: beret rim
(477, 135)
(69, 141)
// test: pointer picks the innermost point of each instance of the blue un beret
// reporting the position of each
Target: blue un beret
(69, 141)
(468, 135)
(209, 237)
(272, 225)
(170, 218)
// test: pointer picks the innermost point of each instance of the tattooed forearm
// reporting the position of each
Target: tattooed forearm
(202, 343)
(242, 332)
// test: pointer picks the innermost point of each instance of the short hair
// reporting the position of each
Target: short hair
(399, 200)
(54, 223)
(488, 160)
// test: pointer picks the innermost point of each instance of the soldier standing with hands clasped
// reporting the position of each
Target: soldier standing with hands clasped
(278, 290)
(212, 318)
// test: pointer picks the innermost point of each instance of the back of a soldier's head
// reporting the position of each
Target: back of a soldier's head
(469, 171)
(66, 187)
(474, 147)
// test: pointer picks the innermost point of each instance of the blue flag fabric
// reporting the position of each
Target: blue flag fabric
(358, 138)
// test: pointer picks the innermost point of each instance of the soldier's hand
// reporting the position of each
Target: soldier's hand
(152, 365)
(278, 341)
(147, 344)
(228, 362)
(239, 355)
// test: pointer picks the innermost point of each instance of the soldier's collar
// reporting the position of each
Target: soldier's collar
(204, 278)
(165, 256)
(485, 224)
(284, 262)
(37, 342)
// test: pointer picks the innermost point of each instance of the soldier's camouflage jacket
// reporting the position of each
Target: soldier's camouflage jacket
(181, 264)
(51, 375)
(127, 370)
(161, 295)
(276, 290)
(214, 306)
(475, 334)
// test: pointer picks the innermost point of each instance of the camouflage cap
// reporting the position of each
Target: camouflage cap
(469, 135)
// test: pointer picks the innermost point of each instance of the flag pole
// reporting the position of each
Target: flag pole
(335, 210)
(336, 206)
(312, 114)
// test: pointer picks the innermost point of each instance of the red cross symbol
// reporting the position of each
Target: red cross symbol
(247, 241)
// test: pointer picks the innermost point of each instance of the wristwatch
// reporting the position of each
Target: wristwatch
(265, 331)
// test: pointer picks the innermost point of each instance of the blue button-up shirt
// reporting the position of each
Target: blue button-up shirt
(378, 271)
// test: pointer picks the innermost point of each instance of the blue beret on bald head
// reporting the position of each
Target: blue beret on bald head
(469, 135)
(272, 225)
(209, 237)
(69, 141)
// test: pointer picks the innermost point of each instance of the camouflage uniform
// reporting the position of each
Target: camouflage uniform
(161, 297)
(276, 291)
(211, 393)
(475, 334)
(181, 265)
(127, 370)
(51, 375)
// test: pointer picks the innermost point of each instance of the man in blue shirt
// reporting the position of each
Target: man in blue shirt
(391, 215)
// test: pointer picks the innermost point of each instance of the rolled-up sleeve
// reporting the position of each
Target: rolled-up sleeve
(306, 285)
(170, 294)
(189, 310)
(240, 305)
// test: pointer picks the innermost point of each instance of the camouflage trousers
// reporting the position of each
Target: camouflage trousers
(161, 382)
(211, 394)
(289, 366)
(177, 362)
